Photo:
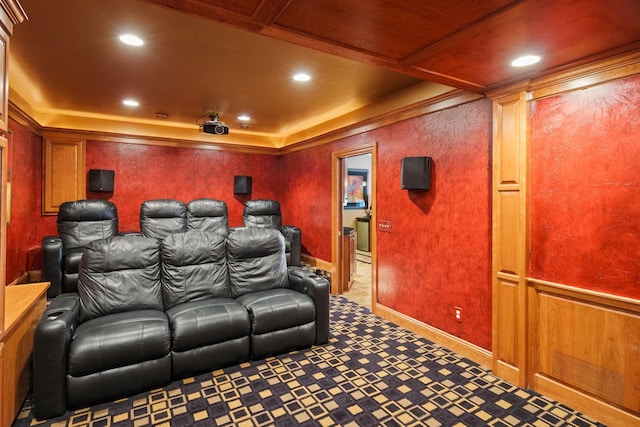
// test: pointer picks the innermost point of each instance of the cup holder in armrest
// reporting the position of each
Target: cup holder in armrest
(54, 315)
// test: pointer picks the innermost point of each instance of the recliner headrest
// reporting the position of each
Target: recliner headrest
(162, 217)
(163, 208)
(262, 207)
(206, 208)
(87, 210)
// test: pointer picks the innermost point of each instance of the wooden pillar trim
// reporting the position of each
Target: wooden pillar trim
(510, 199)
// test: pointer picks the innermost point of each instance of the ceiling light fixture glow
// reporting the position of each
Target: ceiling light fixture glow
(302, 77)
(244, 117)
(131, 40)
(525, 60)
(131, 103)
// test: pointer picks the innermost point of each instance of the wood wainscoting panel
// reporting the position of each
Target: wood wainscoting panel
(506, 227)
(588, 342)
(506, 344)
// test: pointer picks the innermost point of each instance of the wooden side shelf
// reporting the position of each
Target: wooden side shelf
(24, 305)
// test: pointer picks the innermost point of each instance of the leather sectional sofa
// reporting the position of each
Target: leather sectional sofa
(149, 311)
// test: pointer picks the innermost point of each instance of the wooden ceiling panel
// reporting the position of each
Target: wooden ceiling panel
(390, 30)
(559, 31)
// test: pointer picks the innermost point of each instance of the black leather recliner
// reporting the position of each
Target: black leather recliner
(162, 217)
(79, 223)
(207, 215)
(109, 340)
(263, 213)
(149, 310)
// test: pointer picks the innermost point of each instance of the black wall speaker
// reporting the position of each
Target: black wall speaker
(242, 184)
(415, 173)
(101, 180)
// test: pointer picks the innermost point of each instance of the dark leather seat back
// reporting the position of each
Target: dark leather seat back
(256, 260)
(84, 221)
(120, 274)
(194, 267)
(261, 213)
(162, 217)
(79, 223)
(208, 215)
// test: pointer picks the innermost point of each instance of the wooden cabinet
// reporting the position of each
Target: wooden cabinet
(348, 258)
(24, 307)
(64, 173)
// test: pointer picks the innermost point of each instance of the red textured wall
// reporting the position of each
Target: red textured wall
(144, 172)
(27, 226)
(438, 254)
(306, 203)
(585, 182)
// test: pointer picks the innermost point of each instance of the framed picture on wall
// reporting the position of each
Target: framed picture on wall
(355, 195)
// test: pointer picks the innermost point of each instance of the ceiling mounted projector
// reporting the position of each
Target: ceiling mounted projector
(213, 125)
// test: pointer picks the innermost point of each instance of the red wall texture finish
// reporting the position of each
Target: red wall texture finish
(306, 200)
(144, 172)
(437, 255)
(585, 209)
(27, 226)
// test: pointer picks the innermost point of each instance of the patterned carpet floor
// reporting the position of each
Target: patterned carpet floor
(371, 373)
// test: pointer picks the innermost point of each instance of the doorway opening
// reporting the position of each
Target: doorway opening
(353, 224)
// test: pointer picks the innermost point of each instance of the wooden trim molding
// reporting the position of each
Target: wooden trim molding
(614, 68)
(317, 262)
(460, 346)
(444, 101)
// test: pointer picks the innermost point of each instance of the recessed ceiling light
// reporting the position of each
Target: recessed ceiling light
(525, 60)
(244, 117)
(131, 40)
(131, 103)
(302, 77)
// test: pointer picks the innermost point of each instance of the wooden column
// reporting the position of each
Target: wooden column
(510, 213)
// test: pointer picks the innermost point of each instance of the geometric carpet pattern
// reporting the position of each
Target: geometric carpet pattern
(371, 373)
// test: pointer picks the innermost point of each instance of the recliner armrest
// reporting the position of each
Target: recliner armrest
(294, 235)
(317, 288)
(52, 264)
(50, 355)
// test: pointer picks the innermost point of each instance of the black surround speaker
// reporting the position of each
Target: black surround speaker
(101, 180)
(415, 173)
(242, 184)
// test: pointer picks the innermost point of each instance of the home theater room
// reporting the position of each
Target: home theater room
(319, 213)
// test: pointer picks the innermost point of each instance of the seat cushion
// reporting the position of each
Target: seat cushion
(201, 323)
(277, 309)
(118, 340)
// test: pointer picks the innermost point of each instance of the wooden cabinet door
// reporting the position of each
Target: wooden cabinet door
(64, 173)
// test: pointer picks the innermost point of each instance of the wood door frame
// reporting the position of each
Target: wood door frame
(337, 178)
